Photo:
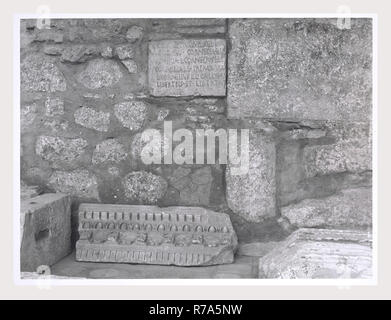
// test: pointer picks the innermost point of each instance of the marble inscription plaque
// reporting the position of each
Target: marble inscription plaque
(187, 67)
(184, 236)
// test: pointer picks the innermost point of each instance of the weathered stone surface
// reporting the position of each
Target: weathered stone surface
(54, 107)
(107, 52)
(131, 65)
(40, 73)
(320, 253)
(45, 230)
(125, 51)
(92, 119)
(187, 67)
(352, 151)
(27, 192)
(100, 73)
(300, 69)
(252, 194)
(144, 187)
(348, 208)
(56, 125)
(134, 33)
(182, 236)
(109, 151)
(78, 53)
(28, 114)
(60, 151)
(242, 267)
(256, 249)
(131, 114)
(194, 188)
(78, 182)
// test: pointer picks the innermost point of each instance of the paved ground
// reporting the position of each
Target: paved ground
(245, 266)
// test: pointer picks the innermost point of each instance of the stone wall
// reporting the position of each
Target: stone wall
(302, 87)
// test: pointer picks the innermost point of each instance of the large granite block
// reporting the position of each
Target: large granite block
(350, 208)
(252, 194)
(187, 67)
(184, 236)
(300, 69)
(320, 253)
(45, 230)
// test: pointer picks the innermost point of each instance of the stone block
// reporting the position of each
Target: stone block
(184, 236)
(349, 208)
(252, 194)
(40, 73)
(100, 73)
(352, 151)
(187, 67)
(144, 187)
(131, 114)
(92, 119)
(79, 182)
(300, 69)
(45, 226)
(320, 253)
(61, 152)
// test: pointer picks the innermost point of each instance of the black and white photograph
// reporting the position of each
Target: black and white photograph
(196, 148)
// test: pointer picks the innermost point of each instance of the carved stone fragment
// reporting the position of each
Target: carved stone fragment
(183, 236)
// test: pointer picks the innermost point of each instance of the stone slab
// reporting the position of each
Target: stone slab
(350, 208)
(194, 67)
(184, 236)
(300, 69)
(45, 230)
(320, 253)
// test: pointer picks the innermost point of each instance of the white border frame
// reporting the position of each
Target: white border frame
(342, 283)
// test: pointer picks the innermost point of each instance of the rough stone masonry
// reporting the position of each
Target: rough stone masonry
(303, 87)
